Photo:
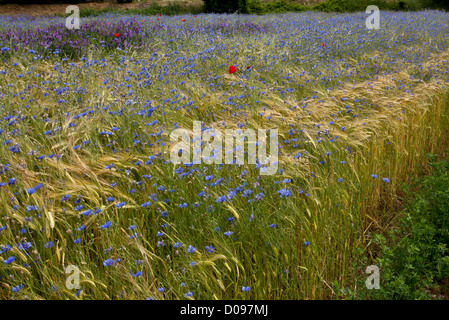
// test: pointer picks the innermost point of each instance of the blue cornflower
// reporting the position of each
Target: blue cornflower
(221, 199)
(139, 273)
(246, 289)
(24, 245)
(106, 225)
(108, 262)
(191, 249)
(285, 193)
(386, 179)
(16, 289)
(32, 208)
(228, 233)
(5, 248)
(87, 212)
(49, 244)
(120, 204)
(9, 260)
(177, 244)
(210, 249)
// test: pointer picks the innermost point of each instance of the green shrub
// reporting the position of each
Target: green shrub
(26, 2)
(414, 259)
(281, 6)
(353, 5)
(229, 6)
(255, 7)
(151, 9)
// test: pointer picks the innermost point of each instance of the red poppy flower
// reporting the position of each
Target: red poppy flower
(160, 14)
(184, 20)
(232, 69)
(116, 35)
(248, 67)
(323, 44)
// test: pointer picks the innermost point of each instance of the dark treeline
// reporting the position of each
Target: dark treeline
(276, 6)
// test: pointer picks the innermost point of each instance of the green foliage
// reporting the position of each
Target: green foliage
(152, 9)
(414, 259)
(360, 5)
(435, 4)
(353, 5)
(25, 2)
(230, 6)
(281, 6)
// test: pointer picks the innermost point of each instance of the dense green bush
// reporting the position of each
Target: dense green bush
(280, 6)
(435, 4)
(258, 7)
(353, 5)
(24, 2)
(413, 258)
(360, 5)
(151, 9)
(229, 6)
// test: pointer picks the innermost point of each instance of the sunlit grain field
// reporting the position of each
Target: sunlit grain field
(86, 178)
